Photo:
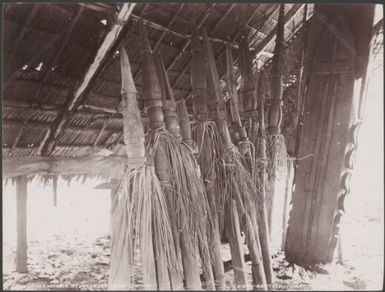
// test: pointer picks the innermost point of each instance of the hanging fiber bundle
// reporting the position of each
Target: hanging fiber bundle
(238, 184)
(140, 221)
(276, 148)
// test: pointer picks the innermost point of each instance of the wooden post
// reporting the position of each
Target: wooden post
(275, 113)
(288, 191)
(188, 248)
(113, 194)
(54, 186)
(206, 156)
(153, 101)
(21, 211)
(233, 233)
(338, 50)
(249, 216)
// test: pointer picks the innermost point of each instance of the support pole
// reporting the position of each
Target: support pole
(233, 233)
(54, 186)
(21, 211)
(329, 129)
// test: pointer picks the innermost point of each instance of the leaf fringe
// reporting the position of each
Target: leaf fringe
(140, 215)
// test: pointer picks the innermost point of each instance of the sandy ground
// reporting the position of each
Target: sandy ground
(79, 263)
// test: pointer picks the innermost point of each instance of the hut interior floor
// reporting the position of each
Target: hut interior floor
(70, 255)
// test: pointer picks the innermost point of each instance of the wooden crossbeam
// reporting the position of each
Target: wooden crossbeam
(96, 111)
(266, 42)
(172, 20)
(107, 44)
(47, 71)
(187, 43)
(235, 35)
(112, 166)
(218, 23)
(291, 14)
(43, 125)
(173, 32)
(99, 135)
(48, 142)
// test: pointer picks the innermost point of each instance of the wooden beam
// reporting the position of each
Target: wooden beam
(233, 232)
(235, 35)
(18, 136)
(271, 37)
(218, 23)
(187, 43)
(67, 34)
(43, 125)
(48, 143)
(99, 135)
(111, 166)
(107, 44)
(21, 218)
(175, 33)
(54, 189)
(290, 15)
(172, 20)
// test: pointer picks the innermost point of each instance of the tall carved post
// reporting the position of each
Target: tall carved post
(262, 176)
(338, 50)
(188, 248)
(21, 213)
(153, 102)
(54, 186)
(238, 180)
(232, 222)
(277, 146)
(206, 155)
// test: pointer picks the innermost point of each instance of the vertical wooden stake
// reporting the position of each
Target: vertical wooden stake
(234, 235)
(21, 211)
(54, 185)
(288, 190)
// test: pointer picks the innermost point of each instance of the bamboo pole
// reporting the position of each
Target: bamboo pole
(233, 228)
(250, 100)
(233, 233)
(21, 222)
(153, 101)
(259, 279)
(133, 135)
(262, 159)
(187, 138)
(288, 192)
(278, 155)
(54, 186)
(205, 155)
(187, 246)
(236, 108)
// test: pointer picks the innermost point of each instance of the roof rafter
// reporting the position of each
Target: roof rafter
(67, 34)
(187, 43)
(219, 22)
(124, 13)
(172, 20)
(235, 35)
(266, 42)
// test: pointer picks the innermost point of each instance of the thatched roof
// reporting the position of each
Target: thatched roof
(49, 47)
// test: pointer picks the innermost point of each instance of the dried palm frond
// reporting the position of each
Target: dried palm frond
(187, 197)
(276, 151)
(140, 221)
(238, 181)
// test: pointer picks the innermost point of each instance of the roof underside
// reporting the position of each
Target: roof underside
(49, 47)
